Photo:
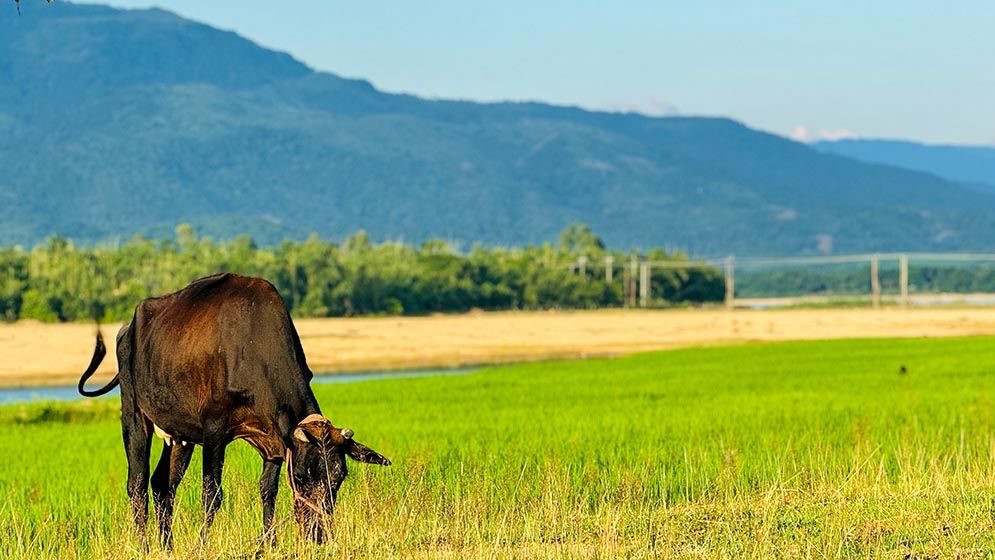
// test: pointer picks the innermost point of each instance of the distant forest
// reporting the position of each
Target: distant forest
(924, 277)
(60, 281)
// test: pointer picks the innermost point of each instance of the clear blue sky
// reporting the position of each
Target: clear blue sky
(885, 68)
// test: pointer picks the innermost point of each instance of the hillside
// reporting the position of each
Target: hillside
(123, 122)
(972, 165)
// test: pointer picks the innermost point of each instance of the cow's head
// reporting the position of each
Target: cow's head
(318, 468)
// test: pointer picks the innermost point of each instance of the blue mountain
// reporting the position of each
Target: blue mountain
(973, 166)
(115, 123)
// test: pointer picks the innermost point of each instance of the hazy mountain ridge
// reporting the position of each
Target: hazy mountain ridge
(971, 165)
(119, 122)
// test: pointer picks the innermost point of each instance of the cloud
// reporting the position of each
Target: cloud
(802, 133)
(651, 106)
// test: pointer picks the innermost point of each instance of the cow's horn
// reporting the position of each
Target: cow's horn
(299, 435)
(347, 433)
(313, 418)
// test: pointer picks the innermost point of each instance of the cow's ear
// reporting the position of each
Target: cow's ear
(364, 454)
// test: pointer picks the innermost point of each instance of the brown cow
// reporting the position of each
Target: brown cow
(217, 361)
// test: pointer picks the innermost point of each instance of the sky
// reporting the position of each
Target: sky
(832, 69)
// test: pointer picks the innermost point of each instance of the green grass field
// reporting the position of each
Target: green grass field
(794, 450)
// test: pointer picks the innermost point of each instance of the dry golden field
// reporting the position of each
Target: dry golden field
(41, 354)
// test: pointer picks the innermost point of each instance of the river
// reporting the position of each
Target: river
(62, 393)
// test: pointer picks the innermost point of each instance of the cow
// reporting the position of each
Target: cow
(217, 361)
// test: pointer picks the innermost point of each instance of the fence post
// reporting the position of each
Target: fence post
(903, 278)
(609, 263)
(730, 282)
(875, 282)
(644, 284)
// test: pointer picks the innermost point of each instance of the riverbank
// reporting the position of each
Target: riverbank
(37, 354)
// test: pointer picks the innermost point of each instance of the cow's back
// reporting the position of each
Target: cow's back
(224, 343)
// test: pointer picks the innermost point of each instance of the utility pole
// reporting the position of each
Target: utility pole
(875, 282)
(626, 286)
(644, 284)
(633, 270)
(582, 265)
(609, 263)
(730, 282)
(903, 279)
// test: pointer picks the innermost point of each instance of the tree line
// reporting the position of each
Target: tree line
(60, 281)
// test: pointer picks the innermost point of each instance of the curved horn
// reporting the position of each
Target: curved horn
(300, 436)
(347, 433)
(312, 418)
(308, 423)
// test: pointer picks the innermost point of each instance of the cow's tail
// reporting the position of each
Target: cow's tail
(99, 351)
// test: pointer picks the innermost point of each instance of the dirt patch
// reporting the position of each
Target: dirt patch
(40, 354)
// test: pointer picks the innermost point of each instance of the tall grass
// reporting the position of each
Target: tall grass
(851, 448)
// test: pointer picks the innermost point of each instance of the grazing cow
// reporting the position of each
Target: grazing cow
(217, 361)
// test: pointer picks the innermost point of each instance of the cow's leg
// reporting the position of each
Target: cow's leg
(214, 459)
(269, 483)
(137, 431)
(165, 480)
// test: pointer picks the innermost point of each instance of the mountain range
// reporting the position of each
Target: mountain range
(122, 122)
(973, 166)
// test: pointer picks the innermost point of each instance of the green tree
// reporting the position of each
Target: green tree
(58, 281)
